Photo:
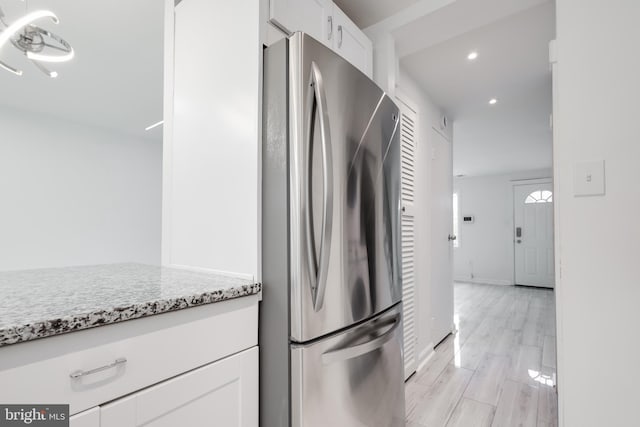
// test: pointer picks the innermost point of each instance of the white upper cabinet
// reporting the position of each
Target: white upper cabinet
(324, 21)
(351, 43)
(311, 16)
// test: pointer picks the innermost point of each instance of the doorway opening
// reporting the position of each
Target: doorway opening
(491, 218)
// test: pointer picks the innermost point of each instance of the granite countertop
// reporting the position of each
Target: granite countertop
(45, 302)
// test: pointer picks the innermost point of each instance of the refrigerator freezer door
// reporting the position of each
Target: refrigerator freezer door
(344, 188)
(353, 379)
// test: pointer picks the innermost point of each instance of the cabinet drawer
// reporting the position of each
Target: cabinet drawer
(155, 348)
(224, 393)
(88, 418)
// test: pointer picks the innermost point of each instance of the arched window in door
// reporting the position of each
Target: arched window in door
(539, 196)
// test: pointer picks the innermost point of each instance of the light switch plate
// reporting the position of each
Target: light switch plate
(588, 179)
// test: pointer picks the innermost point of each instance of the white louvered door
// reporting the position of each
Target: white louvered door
(408, 129)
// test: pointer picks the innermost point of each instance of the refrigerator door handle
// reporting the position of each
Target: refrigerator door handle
(319, 270)
(353, 351)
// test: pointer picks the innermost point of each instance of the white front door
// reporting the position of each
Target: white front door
(533, 234)
(441, 243)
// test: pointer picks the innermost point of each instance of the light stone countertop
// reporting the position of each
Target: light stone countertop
(45, 302)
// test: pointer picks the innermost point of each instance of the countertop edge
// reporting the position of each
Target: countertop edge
(51, 327)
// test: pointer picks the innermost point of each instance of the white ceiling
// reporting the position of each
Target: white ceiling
(512, 53)
(367, 12)
(452, 19)
(512, 66)
(116, 78)
(512, 38)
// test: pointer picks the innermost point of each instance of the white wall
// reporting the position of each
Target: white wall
(428, 117)
(75, 195)
(598, 288)
(485, 248)
(211, 200)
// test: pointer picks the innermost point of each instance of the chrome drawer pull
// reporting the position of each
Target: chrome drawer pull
(119, 361)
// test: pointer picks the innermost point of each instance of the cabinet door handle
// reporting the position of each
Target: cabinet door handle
(340, 35)
(78, 374)
(330, 21)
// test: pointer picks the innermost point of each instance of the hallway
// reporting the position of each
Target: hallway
(498, 370)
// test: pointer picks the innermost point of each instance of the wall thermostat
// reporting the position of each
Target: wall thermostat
(469, 219)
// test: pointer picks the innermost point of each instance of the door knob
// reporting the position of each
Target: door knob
(451, 238)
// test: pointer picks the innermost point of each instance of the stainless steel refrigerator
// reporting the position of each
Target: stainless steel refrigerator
(331, 315)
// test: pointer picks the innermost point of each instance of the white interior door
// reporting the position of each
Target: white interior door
(408, 129)
(533, 221)
(441, 233)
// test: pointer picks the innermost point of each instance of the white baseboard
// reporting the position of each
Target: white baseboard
(424, 356)
(481, 281)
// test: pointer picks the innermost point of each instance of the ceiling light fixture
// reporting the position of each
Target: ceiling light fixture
(473, 55)
(154, 125)
(37, 44)
(493, 101)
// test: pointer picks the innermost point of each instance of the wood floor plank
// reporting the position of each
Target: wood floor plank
(470, 354)
(470, 413)
(547, 407)
(486, 384)
(415, 395)
(499, 368)
(533, 332)
(549, 351)
(518, 406)
(506, 342)
(526, 365)
(443, 355)
(442, 397)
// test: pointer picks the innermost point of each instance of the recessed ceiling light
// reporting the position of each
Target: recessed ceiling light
(473, 55)
(493, 101)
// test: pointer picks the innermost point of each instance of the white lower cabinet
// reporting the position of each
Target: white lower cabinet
(88, 418)
(224, 393)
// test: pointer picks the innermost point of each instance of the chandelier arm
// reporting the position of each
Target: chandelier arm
(62, 49)
(10, 68)
(45, 70)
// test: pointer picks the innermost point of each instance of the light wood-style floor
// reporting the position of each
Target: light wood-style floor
(497, 370)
